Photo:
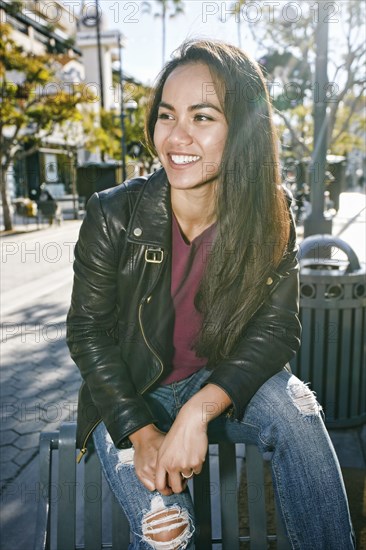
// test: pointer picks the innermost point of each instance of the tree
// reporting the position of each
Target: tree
(34, 103)
(284, 35)
(170, 8)
(106, 137)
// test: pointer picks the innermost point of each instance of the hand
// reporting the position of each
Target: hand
(147, 442)
(184, 450)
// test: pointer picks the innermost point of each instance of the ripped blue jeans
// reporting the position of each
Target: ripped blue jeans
(283, 418)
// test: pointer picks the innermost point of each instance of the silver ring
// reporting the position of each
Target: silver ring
(187, 477)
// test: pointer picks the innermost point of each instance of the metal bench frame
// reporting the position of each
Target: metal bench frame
(64, 442)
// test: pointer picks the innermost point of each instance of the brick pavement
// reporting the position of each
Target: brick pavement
(38, 382)
(38, 392)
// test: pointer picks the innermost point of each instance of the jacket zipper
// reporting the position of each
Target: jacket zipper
(146, 297)
(84, 449)
(152, 351)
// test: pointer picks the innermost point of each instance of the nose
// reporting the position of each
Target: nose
(180, 134)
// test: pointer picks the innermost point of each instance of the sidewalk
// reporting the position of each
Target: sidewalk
(24, 224)
(39, 391)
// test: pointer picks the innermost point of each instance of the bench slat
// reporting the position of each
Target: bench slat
(92, 503)
(229, 497)
(43, 513)
(256, 498)
(202, 505)
(66, 488)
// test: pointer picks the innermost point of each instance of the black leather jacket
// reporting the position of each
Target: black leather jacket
(120, 319)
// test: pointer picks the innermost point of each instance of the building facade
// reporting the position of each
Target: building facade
(66, 29)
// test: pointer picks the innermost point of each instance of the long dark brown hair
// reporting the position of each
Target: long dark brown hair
(251, 211)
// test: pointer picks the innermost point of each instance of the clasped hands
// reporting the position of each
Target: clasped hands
(164, 462)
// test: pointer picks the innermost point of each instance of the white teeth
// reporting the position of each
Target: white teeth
(184, 159)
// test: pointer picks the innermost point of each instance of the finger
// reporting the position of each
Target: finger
(184, 483)
(148, 483)
(176, 482)
(147, 478)
(166, 492)
(161, 481)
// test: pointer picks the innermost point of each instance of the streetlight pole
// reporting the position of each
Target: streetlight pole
(100, 61)
(315, 223)
(122, 113)
(100, 67)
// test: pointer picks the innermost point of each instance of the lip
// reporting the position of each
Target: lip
(185, 164)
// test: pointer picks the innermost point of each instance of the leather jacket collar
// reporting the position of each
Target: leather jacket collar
(153, 229)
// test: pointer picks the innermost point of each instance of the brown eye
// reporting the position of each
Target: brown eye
(203, 118)
(164, 116)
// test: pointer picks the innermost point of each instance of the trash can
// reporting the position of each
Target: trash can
(333, 344)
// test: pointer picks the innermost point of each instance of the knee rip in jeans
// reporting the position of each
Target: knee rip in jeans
(303, 398)
(166, 528)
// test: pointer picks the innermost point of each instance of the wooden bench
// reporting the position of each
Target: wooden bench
(76, 498)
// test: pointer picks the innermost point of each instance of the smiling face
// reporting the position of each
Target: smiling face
(191, 129)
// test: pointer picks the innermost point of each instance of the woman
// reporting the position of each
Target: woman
(184, 312)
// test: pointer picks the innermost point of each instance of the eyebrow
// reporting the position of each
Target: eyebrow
(195, 107)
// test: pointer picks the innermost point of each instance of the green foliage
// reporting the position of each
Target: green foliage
(15, 7)
(349, 130)
(33, 97)
(104, 133)
(34, 102)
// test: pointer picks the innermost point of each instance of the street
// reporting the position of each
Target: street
(36, 281)
(39, 382)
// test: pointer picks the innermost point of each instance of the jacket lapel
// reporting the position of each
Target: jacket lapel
(150, 222)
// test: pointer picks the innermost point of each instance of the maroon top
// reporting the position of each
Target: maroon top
(188, 263)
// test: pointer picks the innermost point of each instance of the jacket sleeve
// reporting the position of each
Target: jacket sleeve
(90, 325)
(270, 340)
